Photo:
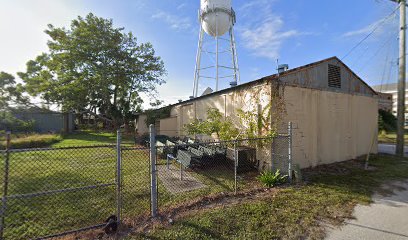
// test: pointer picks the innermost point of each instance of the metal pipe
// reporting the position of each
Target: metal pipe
(235, 56)
(198, 61)
(216, 51)
(290, 151)
(153, 176)
(5, 185)
(118, 176)
(235, 167)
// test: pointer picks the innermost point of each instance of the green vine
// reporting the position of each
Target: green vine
(223, 128)
(260, 119)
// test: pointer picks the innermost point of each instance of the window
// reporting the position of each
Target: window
(334, 76)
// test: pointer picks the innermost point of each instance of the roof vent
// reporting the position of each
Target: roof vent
(233, 84)
(283, 68)
(207, 91)
(334, 76)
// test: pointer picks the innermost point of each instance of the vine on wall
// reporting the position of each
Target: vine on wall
(258, 118)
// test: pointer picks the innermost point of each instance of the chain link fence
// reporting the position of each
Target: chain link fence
(53, 192)
(49, 192)
(189, 170)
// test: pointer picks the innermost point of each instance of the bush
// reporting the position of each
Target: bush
(32, 141)
(386, 121)
(10, 123)
(271, 179)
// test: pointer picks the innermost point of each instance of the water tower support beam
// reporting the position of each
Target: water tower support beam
(216, 54)
(234, 55)
(198, 61)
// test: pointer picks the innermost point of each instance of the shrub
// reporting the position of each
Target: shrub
(386, 121)
(32, 141)
(10, 123)
(271, 179)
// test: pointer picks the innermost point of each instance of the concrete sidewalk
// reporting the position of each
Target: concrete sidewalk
(385, 219)
(390, 149)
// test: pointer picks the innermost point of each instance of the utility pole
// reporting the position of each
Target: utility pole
(401, 81)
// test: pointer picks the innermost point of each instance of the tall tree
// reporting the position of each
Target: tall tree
(11, 93)
(95, 67)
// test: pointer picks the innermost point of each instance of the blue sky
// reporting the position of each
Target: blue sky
(296, 32)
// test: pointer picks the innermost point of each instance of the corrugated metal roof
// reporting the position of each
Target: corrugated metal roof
(275, 77)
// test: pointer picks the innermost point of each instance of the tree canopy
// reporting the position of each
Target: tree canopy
(94, 67)
(11, 93)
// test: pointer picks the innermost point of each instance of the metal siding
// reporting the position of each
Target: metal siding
(316, 77)
(44, 122)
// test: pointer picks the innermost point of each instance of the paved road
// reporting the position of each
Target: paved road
(389, 149)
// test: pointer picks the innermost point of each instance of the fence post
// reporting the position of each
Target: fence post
(290, 134)
(235, 167)
(153, 180)
(5, 186)
(118, 175)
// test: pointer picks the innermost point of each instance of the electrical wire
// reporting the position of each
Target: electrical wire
(384, 20)
(375, 54)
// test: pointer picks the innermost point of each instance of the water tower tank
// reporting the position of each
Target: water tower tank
(216, 16)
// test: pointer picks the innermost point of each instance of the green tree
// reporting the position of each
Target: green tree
(96, 68)
(11, 94)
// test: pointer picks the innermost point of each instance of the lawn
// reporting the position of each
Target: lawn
(292, 212)
(82, 138)
(73, 170)
(390, 138)
(87, 138)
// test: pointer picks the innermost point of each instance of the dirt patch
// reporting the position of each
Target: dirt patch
(340, 168)
(167, 217)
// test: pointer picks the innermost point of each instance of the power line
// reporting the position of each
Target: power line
(376, 53)
(371, 33)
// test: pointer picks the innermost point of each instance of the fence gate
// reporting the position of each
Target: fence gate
(135, 187)
(52, 192)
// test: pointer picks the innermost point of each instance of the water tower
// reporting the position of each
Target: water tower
(217, 19)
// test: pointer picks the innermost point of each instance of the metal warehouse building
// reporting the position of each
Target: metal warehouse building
(334, 112)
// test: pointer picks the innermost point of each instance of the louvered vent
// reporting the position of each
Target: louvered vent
(334, 76)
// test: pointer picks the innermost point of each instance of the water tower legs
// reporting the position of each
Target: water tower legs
(235, 77)
(198, 62)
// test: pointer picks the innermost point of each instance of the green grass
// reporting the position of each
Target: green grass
(87, 138)
(293, 213)
(83, 138)
(45, 171)
(31, 141)
(391, 138)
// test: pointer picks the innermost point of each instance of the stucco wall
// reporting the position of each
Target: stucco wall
(168, 126)
(141, 126)
(329, 126)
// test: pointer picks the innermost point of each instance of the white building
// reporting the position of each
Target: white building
(392, 89)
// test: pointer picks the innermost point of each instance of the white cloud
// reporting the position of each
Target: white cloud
(380, 25)
(181, 6)
(264, 35)
(267, 38)
(175, 22)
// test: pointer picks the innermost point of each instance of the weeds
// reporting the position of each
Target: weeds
(270, 179)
